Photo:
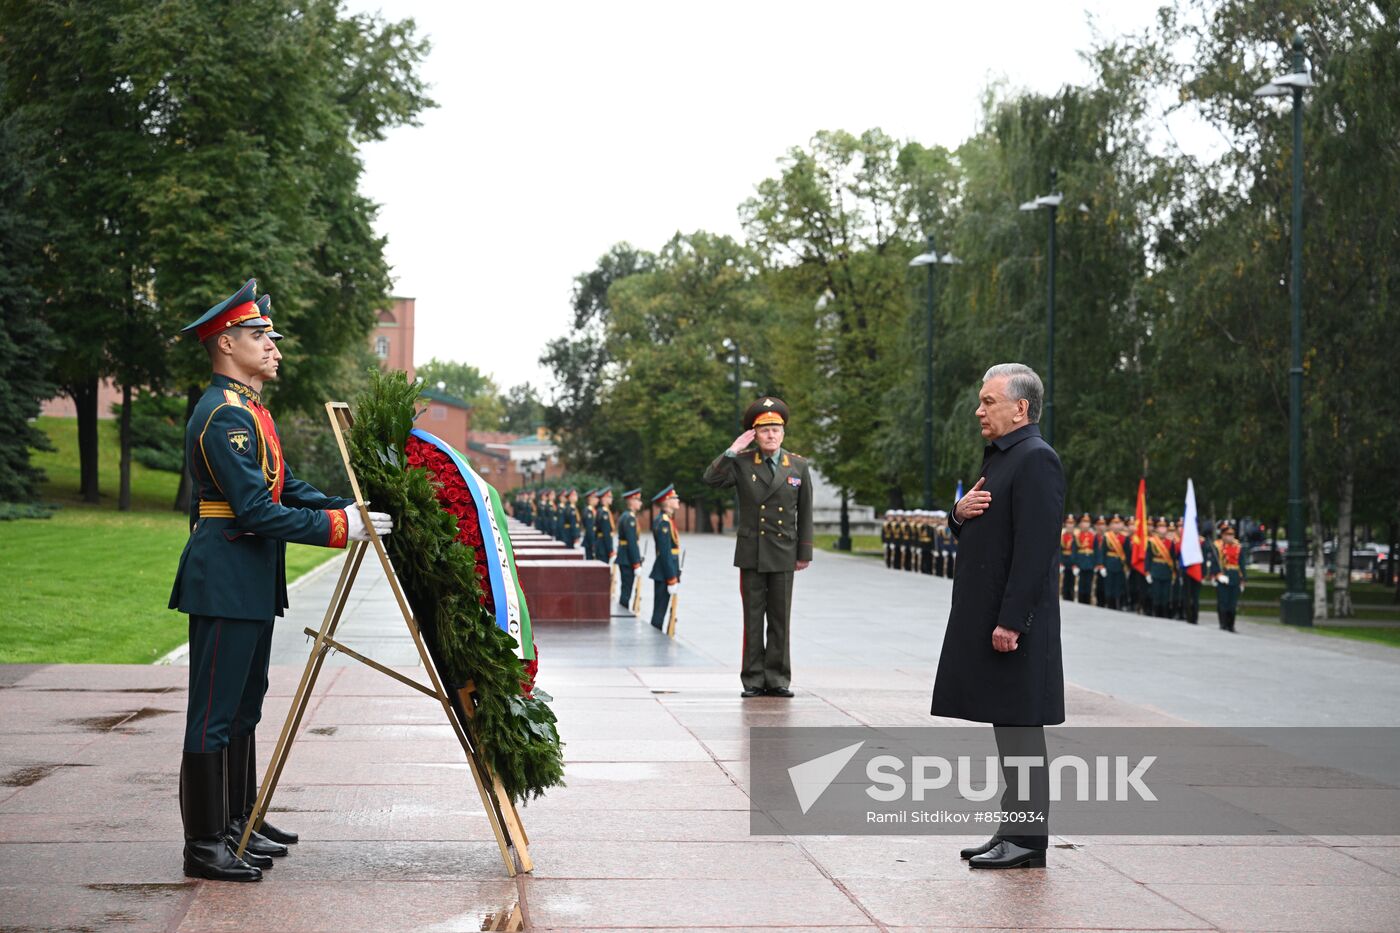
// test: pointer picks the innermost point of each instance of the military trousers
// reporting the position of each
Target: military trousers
(660, 605)
(228, 679)
(1086, 584)
(767, 598)
(626, 576)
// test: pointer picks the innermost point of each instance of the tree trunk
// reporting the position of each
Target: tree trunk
(1341, 586)
(85, 402)
(124, 484)
(182, 492)
(1319, 558)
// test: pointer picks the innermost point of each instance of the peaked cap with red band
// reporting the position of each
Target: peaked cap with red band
(265, 309)
(767, 410)
(237, 310)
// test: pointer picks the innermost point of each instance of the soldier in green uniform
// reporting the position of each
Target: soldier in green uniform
(603, 527)
(569, 519)
(950, 547)
(1085, 558)
(773, 539)
(544, 517)
(1100, 573)
(1114, 554)
(527, 508)
(231, 581)
(928, 539)
(1226, 560)
(588, 517)
(629, 546)
(666, 568)
(1161, 570)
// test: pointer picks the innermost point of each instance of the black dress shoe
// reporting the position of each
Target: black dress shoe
(1009, 855)
(987, 846)
(779, 692)
(258, 844)
(750, 692)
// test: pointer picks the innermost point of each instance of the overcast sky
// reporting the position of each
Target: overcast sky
(564, 128)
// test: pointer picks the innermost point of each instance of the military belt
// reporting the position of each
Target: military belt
(209, 508)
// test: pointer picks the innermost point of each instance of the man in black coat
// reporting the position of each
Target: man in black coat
(1001, 652)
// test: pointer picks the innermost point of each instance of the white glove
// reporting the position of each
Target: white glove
(355, 526)
(673, 589)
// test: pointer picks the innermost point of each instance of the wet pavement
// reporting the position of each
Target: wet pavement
(653, 828)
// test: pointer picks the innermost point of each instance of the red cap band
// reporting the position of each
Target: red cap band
(230, 318)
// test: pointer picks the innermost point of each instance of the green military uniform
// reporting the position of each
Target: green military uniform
(569, 522)
(773, 533)
(1226, 560)
(587, 518)
(928, 539)
(231, 582)
(526, 512)
(1114, 556)
(666, 568)
(1161, 572)
(603, 546)
(629, 551)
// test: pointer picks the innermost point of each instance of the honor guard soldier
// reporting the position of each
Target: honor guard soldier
(586, 519)
(603, 527)
(927, 540)
(950, 547)
(1067, 559)
(231, 582)
(1085, 557)
(1227, 560)
(666, 568)
(1178, 600)
(773, 539)
(1161, 570)
(629, 546)
(1137, 582)
(897, 539)
(527, 510)
(1100, 572)
(940, 541)
(1113, 552)
(1190, 586)
(885, 539)
(544, 521)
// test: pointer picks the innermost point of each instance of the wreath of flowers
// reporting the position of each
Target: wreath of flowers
(436, 549)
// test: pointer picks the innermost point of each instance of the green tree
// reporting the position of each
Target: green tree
(26, 344)
(579, 362)
(522, 409)
(669, 385)
(835, 230)
(469, 384)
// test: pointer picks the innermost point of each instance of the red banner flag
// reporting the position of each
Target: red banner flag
(1140, 530)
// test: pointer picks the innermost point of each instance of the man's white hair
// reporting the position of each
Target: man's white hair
(1021, 383)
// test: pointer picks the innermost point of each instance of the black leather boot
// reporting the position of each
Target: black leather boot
(203, 808)
(240, 804)
(284, 836)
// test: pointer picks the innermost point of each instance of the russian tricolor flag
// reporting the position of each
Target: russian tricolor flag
(1191, 557)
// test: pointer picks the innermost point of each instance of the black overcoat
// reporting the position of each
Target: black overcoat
(1008, 574)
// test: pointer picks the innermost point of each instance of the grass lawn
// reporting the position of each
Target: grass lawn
(90, 584)
(861, 545)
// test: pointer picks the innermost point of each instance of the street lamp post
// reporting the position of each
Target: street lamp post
(930, 259)
(1051, 203)
(1295, 608)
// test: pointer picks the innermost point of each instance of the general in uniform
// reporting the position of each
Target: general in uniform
(231, 582)
(666, 568)
(773, 539)
(629, 546)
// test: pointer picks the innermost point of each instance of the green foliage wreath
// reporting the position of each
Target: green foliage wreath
(516, 730)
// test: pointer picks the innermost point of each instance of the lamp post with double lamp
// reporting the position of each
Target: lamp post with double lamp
(930, 259)
(1050, 203)
(1295, 608)
(739, 384)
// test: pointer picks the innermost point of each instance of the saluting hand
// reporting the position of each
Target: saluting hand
(742, 441)
(974, 503)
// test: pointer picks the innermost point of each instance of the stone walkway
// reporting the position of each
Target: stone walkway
(652, 830)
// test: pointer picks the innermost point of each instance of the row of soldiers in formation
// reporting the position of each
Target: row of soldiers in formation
(919, 541)
(1096, 565)
(558, 514)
